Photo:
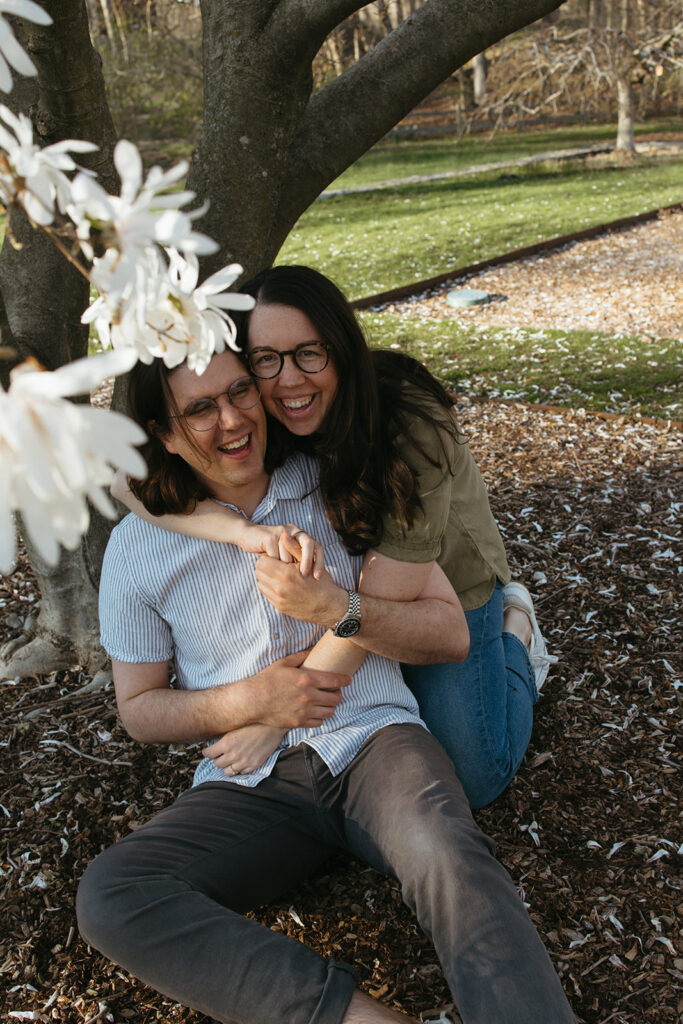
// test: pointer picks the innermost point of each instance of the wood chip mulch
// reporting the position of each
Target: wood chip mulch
(590, 508)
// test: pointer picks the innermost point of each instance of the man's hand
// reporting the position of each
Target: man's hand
(289, 697)
(303, 597)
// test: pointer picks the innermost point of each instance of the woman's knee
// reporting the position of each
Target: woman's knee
(482, 788)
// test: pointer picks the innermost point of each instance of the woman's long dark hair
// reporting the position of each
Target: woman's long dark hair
(362, 474)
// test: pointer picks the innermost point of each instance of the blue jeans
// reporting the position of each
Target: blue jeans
(481, 710)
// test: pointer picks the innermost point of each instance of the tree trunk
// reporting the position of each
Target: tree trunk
(594, 14)
(479, 67)
(371, 19)
(333, 55)
(625, 134)
(394, 13)
(625, 99)
(269, 145)
(67, 101)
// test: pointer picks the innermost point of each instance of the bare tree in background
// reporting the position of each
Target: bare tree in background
(589, 59)
(479, 70)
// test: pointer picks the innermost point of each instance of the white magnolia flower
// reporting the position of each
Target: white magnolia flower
(33, 176)
(144, 216)
(166, 315)
(10, 51)
(54, 454)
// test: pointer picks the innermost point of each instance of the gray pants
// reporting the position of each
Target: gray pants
(166, 902)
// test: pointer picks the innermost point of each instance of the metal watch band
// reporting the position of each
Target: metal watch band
(353, 610)
(350, 623)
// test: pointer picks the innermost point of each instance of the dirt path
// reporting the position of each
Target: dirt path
(628, 282)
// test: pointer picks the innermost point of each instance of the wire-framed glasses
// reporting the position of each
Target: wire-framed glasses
(311, 357)
(203, 413)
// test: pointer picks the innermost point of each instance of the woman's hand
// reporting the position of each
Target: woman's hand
(287, 543)
(244, 750)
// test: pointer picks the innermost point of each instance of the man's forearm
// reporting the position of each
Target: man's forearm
(284, 695)
(164, 715)
(424, 631)
(408, 612)
(427, 631)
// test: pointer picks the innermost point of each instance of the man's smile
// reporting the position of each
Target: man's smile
(239, 447)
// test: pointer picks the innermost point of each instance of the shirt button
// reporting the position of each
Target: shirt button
(276, 636)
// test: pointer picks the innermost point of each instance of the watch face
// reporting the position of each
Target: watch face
(347, 627)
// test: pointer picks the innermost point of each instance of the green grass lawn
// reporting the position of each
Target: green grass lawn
(374, 241)
(370, 242)
(400, 158)
(580, 369)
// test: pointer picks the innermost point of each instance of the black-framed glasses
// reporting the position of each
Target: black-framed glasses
(311, 357)
(203, 413)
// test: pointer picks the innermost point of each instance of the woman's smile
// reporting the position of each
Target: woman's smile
(298, 399)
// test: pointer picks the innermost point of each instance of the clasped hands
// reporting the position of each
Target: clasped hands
(321, 601)
(288, 696)
(301, 588)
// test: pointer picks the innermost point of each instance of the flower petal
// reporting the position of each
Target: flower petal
(26, 9)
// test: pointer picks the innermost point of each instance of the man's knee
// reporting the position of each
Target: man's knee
(98, 910)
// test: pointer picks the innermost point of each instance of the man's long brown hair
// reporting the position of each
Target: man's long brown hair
(171, 484)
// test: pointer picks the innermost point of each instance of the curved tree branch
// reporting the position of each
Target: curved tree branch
(269, 146)
(357, 109)
(310, 21)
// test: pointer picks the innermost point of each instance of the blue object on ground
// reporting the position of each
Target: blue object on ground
(467, 297)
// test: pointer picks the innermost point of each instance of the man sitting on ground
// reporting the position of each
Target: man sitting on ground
(356, 769)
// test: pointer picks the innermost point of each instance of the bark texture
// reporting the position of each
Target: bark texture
(479, 67)
(625, 125)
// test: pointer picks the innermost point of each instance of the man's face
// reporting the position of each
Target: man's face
(228, 457)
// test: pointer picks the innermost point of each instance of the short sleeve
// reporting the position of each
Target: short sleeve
(431, 453)
(131, 629)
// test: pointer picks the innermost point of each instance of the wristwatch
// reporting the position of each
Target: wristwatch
(350, 623)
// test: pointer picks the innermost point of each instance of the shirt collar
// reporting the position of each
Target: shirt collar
(293, 481)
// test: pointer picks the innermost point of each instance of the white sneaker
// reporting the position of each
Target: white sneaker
(447, 1016)
(515, 595)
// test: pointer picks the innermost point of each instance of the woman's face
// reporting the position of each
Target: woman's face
(297, 399)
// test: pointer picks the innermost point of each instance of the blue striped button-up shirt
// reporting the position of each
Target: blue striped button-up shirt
(166, 596)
